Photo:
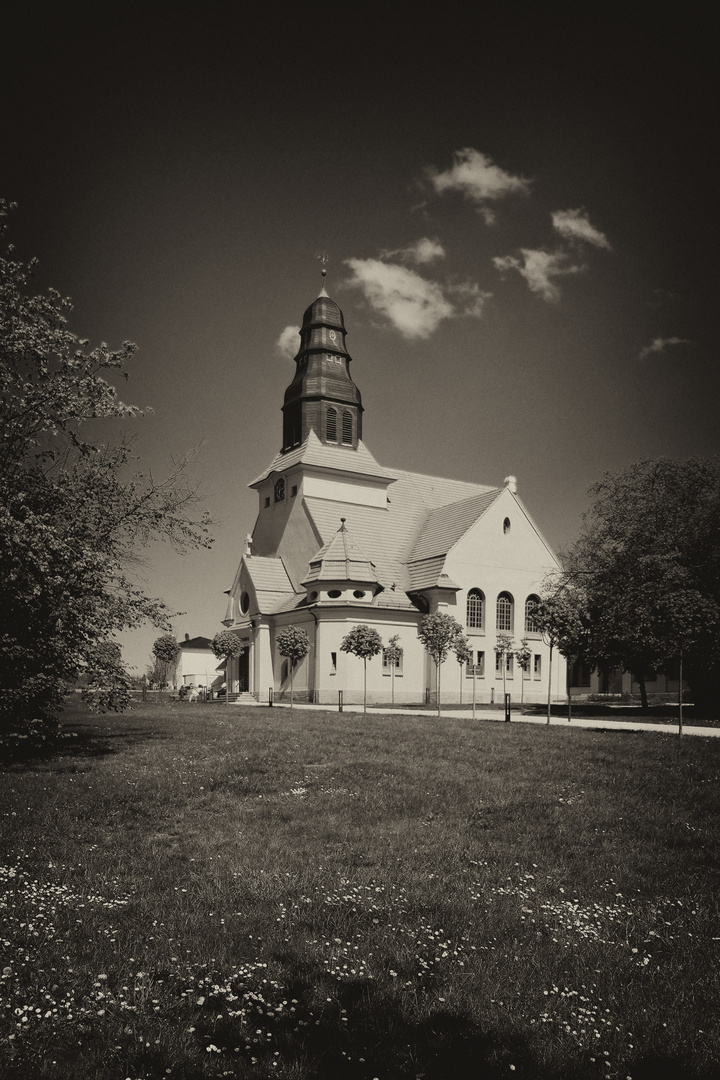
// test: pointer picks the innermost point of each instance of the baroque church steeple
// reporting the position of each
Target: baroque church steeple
(322, 396)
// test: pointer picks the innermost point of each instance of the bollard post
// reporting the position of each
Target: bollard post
(492, 695)
(340, 701)
(507, 708)
(270, 697)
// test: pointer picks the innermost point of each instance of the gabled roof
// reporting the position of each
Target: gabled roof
(340, 559)
(196, 643)
(340, 458)
(446, 525)
(270, 581)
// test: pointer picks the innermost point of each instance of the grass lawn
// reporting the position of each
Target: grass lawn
(196, 891)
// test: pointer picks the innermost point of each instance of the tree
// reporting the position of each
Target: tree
(463, 655)
(523, 655)
(294, 644)
(165, 650)
(393, 655)
(72, 513)
(503, 649)
(364, 642)
(559, 616)
(438, 633)
(227, 647)
(647, 571)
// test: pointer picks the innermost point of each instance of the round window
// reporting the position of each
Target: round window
(334, 594)
(358, 594)
(312, 596)
(244, 603)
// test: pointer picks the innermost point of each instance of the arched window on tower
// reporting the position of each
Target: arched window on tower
(504, 613)
(347, 428)
(331, 425)
(475, 610)
(531, 623)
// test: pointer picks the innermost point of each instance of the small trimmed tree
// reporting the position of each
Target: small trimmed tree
(523, 655)
(393, 654)
(503, 649)
(463, 655)
(438, 633)
(293, 644)
(226, 646)
(363, 642)
(165, 650)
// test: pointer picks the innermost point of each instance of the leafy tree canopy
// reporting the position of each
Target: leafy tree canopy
(462, 649)
(643, 579)
(166, 649)
(362, 641)
(293, 643)
(438, 633)
(72, 512)
(226, 644)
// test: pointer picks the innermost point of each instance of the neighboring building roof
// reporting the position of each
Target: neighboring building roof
(196, 643)
(341, 458)
(340, 559)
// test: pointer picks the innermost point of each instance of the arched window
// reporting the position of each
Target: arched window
(531, 624)
(331, 425)
(347, 428)
(475, 610)
(504, 612)
(506, 525)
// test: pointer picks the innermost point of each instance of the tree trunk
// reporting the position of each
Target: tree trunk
(292, 675)
(644, 707)
(567, 689)
(549, 684)
(392, 682)
(461, 679)
(364, 685)
(680, 698)
(437, 685)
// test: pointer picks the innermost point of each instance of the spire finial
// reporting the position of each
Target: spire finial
(324, 259)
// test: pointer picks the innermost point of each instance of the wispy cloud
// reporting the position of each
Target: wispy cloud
(479, 179)
(287, 344)
(422, 251)
(575, 225)
(660, 344)
(414, 305)
(539, 268)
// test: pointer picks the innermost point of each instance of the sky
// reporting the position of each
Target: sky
(519, 202)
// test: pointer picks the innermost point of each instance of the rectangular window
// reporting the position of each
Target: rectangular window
(293, 490)
(267, 500)
(388, 664)
(478, 668)
(333, 663)
(537, 664)
(509, 665)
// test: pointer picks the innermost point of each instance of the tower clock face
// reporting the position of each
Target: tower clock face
(279, 490)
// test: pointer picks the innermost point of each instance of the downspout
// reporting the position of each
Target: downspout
(316, 676)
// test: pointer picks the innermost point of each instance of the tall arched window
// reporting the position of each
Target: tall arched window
(347, 428)
(331, 425)
(531, 624)
(504, 612)
(475, 610)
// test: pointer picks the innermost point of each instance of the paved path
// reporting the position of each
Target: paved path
(594, 723)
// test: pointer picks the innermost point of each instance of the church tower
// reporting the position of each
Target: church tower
(322, 396)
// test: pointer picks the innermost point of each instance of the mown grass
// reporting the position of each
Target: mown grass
(194, 891)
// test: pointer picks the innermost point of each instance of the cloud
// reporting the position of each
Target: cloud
(659, 344)
(575, 225)
(422, 251)
(479, 180)
(287, 343)
(539, 268)
(412, 304)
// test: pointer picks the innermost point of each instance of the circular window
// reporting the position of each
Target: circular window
(312, 596)
(358, 594)
(244, 603)
(506, 525)
(334, 594)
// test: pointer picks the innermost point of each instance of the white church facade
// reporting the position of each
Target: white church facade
(340, 540)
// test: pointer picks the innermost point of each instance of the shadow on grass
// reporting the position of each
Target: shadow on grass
(85, 735)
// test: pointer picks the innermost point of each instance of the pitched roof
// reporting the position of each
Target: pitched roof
(341, 458)
(271, 583)
(196, 643)
(340, 559)
(446, 525)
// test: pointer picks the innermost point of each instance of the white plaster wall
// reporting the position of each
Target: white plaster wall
(345, 490)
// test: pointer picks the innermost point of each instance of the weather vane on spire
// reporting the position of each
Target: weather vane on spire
(324, 259)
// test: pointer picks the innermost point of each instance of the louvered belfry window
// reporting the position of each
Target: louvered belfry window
(331, 425)
(474, 610)
(347, 427)
(504, 612)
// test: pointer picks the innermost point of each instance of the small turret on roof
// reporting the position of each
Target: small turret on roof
(341, 560)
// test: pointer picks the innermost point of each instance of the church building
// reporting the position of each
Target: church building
(341, 540)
